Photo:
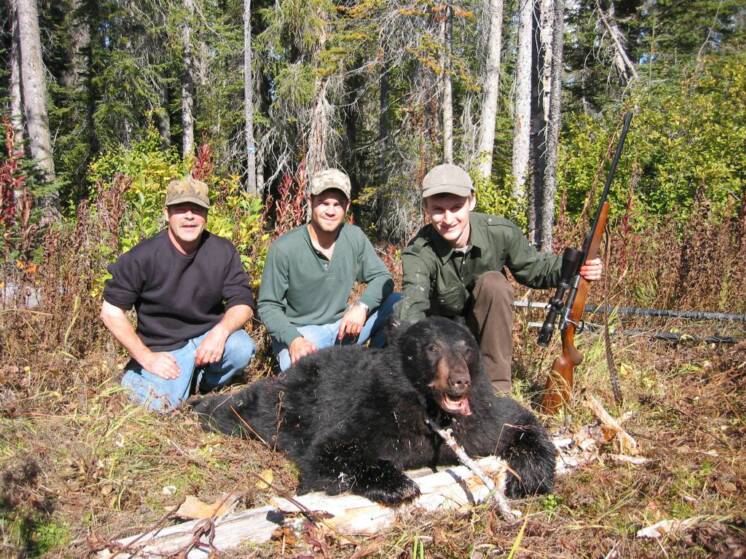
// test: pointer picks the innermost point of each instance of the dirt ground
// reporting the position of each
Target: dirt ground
(81, 466)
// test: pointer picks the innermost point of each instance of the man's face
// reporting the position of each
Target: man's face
(449, 215)
(186, 221)
(328, 210)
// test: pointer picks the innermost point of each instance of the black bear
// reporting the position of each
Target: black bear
(353, 418)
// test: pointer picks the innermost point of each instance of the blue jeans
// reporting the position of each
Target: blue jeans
(160, 394)
(325, 335)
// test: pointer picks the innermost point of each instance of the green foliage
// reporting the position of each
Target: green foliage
(685, 144)
(150, 168)
(498, 200)
(33, 534)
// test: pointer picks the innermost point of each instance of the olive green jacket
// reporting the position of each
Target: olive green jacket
(438, 280)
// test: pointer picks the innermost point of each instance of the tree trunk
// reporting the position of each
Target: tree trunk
(447, 87)
(552, 128)
(383, 123)
(522, 113)
(316, 157)
(248, 91)
(536, 132)
(491, 88)
(35, 93)
(164, 118)
(80, 36)
(187, 86)
(16, 99)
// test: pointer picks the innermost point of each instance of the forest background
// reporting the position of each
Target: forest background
(104, 102)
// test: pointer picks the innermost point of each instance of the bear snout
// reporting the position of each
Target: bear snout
(459, 382)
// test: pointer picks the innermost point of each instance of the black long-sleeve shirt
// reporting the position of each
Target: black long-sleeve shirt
(177, 297)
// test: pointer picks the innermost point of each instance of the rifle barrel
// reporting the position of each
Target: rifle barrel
(609, 178)
(689, 315)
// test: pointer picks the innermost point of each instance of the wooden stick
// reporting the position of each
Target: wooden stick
(498, 492)
(626, 442)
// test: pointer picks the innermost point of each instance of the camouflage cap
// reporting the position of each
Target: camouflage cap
(330, 178)
(447, 179)
(187, 190)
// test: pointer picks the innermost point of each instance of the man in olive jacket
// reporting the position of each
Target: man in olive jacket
(454, 268)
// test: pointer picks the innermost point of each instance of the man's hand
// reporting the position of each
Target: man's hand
(591, 270)
(352, 321)
(161, 364)
(300, 347)
(211, 348)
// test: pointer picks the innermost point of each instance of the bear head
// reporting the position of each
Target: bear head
(441, 358)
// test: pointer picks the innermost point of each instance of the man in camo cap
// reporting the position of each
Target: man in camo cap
(310, 273)
(192, 297)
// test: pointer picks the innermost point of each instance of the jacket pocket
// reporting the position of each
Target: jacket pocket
(451, 301)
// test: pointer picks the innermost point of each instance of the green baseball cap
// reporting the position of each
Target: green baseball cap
(187, 190)
(447, 179)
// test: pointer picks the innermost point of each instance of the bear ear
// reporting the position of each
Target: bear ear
(394, 330)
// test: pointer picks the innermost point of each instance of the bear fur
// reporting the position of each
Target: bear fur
(353, 418)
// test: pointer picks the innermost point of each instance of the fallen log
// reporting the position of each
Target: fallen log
(451, 488)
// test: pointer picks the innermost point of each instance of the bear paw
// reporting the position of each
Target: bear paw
(394, 488)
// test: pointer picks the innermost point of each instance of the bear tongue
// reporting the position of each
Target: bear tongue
(457, 406)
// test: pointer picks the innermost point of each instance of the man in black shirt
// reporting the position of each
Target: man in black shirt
(192, 297)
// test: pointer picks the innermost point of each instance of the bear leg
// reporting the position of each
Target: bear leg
(532, 456)
(345, 467)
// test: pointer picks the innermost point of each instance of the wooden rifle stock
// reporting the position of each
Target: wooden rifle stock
(559, 382)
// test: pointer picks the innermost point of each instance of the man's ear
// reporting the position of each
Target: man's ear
(165, 213)
(472, 202)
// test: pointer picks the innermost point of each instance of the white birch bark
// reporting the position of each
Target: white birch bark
(187, 86)
(34, 91)
(16, 99)
(248, 89)
(522, 113)
(447, 88)
(546, 34)
(491, 88)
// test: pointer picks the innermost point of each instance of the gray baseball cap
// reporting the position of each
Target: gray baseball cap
(187, 190)
(330, 178)
(447, 179)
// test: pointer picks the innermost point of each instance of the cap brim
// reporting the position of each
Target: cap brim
(458, 190)
(316, 192)
(192, 199)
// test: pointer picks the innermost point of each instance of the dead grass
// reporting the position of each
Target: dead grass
(79, 460)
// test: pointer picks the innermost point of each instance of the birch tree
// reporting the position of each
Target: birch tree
(187, 85)
(545, 121)
(445, 30)
(494, 9)
(16, 99)
(553, 118)
(522, 111)
(34, 90)
(251, 185)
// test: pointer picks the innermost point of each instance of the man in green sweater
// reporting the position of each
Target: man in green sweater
(309, 276)
(454, 267)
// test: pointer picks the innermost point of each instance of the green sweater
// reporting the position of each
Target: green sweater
(438, 280)
(301, 287)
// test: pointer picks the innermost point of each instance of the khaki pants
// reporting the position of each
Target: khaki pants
(491, 321)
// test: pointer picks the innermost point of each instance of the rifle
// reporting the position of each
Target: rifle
(569, 299)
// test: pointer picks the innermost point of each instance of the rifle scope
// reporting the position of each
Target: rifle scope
(571, 261)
